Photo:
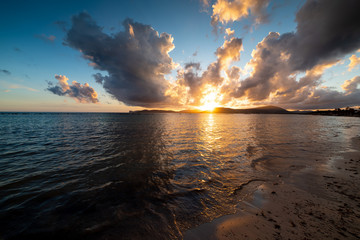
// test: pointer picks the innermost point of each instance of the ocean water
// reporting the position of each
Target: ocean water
(122, 176)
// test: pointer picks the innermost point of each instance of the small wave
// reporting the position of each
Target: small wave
(100, 186)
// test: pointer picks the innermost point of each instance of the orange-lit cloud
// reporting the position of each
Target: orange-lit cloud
(354, 61)
(225, 11)
(229, 32)
(350, 86)
(81, 93)
(229, 52)
(131, 30)
(206, 89)
(229, 11)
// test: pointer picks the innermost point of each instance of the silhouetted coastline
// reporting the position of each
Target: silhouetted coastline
(352, 112)
(259, 110)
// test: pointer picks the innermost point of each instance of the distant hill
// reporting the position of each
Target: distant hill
(259, 110)
(152, 111)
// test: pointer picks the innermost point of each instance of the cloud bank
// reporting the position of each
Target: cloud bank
(81, 93)
(135, 59)
(286, 68)
(319, 42)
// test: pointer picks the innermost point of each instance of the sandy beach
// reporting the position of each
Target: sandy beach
(317, 200)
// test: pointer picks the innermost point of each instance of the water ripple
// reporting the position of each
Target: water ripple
(144, 176)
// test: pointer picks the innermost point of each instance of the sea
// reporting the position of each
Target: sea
(146, 176)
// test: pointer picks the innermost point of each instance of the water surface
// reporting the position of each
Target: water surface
(121, 176)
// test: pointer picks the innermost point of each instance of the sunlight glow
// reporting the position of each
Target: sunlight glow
(210, 99)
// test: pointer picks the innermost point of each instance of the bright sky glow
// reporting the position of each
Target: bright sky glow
(210, 99)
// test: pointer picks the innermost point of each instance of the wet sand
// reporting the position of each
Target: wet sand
(317, 200)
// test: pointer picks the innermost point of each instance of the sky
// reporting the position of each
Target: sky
(116, 56)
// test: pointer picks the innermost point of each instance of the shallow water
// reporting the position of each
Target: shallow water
(121, 176)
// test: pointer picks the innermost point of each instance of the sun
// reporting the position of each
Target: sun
(208, 106)
(209, 99)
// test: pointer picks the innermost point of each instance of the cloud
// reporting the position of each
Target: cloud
(204, 5)
(354, 61)
(16, 86)
(229, 51)
(225, 11)
(50, 38)
(322, 37)
(136, 60)
(229, 32)
(5, 71)
(99, 78)
(350, 86)
(81, 93)
(328, 98)
(320, 41)
(285, 69)
(191, 85)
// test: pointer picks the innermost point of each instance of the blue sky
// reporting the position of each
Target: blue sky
(33, 50)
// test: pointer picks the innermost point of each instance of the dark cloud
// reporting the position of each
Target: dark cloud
(99, 78)
(194, 65)
(81, 93)
(136, 59)
(325, 98)
(16, 49)
(326, 31)
(5, 71)
(50, 38)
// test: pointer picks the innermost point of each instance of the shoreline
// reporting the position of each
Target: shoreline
(316, 201)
